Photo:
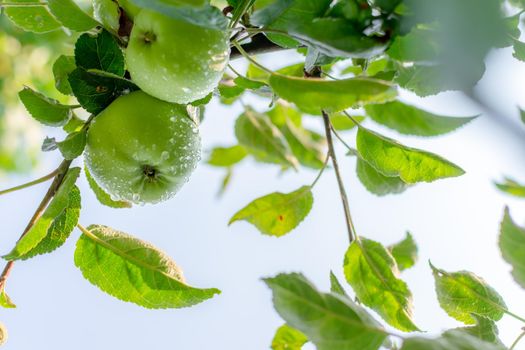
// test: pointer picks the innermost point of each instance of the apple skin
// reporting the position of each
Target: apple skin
(141, 149)
(174, 60)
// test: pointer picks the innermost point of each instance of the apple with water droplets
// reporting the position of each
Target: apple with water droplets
(174, 60)
(141, 149)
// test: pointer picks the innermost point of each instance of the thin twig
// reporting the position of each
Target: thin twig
(23, 4)
(31, 183)
(517, 340)
(342, 190)
(322, 170)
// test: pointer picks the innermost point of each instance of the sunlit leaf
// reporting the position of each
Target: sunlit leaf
(453, 340)
(512, 246)
(511, 187)
(133, 270)
(391, 158)
(36, 19)
(373, 274)
(462, 294)
(405, 252)
(44, 109)
(335, 285)
(341, 122)
(61, 69)
(377, 183)
(71, 16)
(41, 227)
(278, 213)
(411, 120)
(5, 302)
(485, 329)
(102, 196)
(288, 338)
(330, 321)
(74, 144)
(227, 156)
(314, 95)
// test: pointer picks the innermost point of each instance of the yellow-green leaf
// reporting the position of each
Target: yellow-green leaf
(288, 338)
(512, 246)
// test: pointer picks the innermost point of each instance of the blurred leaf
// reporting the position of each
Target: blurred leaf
(99, 52)
(485, 329)
(391, 158)
(453, 340)
(197, 12)
(314, 95)
(278, 213)
(107, 12)
(71, 16)
(335, 286)
(44, 109)
(61, 228)
(512, 246)
(61, 69)
(95, 92)
(377, 183)
(328, 320)
(6, 303)
(411, 120)
(373, 274)
(256, 132)
(133, 270)
(341, 122)
(248, 83)
(404, 252)
(40, 229)
(49, 144)
(74, 144)
(419, 45)
(227, 156)
(512, 31)
(225, 181)
(32, 18)
(74, 124)
(462, 294)
(103, 197)
(519, 50)
(288, 338)
(511, 187)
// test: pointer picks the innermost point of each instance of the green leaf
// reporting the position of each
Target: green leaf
(40, 229)
(404, 252)
(5, 302)
(102, 196)
(341, 122)
(288, 338)
(485, 329)
(198, 12)
(74, 124)
(44, 109)
(227, 156)
(314, 95)
(330, 321)
(335, 286)
(419, 45)
(391, 158)
(377, 183)
(258, 134)
(100, 52)
(61, 228)
(511, 187)
(74, 144)
(462, 294)
(95, 91)
(278, 213)
(453, 340)
(107, 12)
(512, 246)
(522, 115)
(133, 270)
(373, 274)
(519, 50)
(32, 18)
(410, 120)
(61, 69)
(71, 16)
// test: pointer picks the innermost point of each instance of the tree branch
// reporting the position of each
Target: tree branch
(342, 191)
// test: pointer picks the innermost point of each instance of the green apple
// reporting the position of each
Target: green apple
(141, 149)
(174, 60)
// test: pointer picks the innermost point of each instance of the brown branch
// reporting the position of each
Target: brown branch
(61, 172)
(342, 191)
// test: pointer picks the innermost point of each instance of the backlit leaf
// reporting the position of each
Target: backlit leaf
(288, 338)
(330, 321)
(511, 187)
(512, 246)
(227, 156)
(335, 285)
(36, 19)
(103, 197)
(278, 213)
(377, 183)
(404, 252)
(314, 95)
(5, 301)
(462, 294)
(485, 329)
(71, 16)
(411, 120)
(391, 158)
(374, 276)
(44, 109)
(453, 340)
(133, 270)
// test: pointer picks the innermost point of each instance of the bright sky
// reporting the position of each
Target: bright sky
(455, 223)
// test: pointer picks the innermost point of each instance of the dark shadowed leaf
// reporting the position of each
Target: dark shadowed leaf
(100, 52)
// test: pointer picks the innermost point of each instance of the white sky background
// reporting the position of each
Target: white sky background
(455, 223)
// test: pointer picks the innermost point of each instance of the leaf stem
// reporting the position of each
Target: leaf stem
(249, 58)
(342, 191)
(517, 339)
(321, 171)
(514, 315)
(31, 183)
(59, 177)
